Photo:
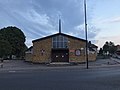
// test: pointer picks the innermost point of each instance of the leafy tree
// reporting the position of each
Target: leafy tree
(14, 38)
(112, 48)
(5, 47)
(109, 48)
(106, 48)
(101, 51)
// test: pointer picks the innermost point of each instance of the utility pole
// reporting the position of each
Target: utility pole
(86, 34)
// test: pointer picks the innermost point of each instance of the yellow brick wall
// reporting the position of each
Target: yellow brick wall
(28, 57)
(75, 44)
(39, 46)
(92, 57)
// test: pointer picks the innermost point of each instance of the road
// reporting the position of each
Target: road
(107, 78)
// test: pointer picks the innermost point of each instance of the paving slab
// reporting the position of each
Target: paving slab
(11, 65)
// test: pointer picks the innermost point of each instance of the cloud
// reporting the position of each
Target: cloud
(114, 20)
(92, 31)
(38, 18)
(109, 20)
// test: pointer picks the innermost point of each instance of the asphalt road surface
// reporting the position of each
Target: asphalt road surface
(62, 79)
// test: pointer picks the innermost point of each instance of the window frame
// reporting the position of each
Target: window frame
(59, 41)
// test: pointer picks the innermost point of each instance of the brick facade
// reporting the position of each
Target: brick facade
(28, 57)
(76, 45)
(42, 50)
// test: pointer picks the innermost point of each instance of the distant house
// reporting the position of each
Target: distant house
(60, 47)
(92, 51)
(117, 53)
(118, 47)
(29, 54)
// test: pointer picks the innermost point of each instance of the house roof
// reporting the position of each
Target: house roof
(93, 46)
(58, 34)
(30, 48)
(90, 45)
(91, 49)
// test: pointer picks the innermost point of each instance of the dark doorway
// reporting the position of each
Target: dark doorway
(60, 55)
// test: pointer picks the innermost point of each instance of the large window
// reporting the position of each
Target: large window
(59, 42)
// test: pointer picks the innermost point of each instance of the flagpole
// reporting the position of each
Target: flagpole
(86, 34)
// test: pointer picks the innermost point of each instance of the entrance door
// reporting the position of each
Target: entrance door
(61, 55)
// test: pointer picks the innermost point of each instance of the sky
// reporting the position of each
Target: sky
(39, 18)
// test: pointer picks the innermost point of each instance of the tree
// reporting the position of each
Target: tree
(112, 48)
(101, 51)
(109, 48)
(16, 39)
(5, 48)
(106, 48)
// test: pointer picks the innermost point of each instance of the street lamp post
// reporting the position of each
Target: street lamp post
(86, 33)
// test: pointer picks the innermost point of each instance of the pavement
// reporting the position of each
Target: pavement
(13, 65)
(105, 62)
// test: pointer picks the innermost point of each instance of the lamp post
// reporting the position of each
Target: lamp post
(86, 34)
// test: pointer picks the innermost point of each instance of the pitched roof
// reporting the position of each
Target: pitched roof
(90, 45)
(59, 34)
(93, 46)
(29, 49)
(91, 49)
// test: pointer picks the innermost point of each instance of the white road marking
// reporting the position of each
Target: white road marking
(11, 71)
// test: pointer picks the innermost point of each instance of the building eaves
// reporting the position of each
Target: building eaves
(58, 34)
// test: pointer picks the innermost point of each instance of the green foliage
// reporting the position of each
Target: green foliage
(109, 48)
(101, 51)
(112, 48)
(13, 41)
(5, 48)
(106, 47)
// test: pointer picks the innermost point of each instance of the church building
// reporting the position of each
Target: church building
(60, 47)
